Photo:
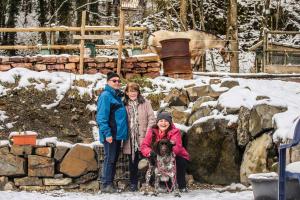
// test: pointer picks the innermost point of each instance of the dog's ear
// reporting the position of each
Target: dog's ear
(156, 147)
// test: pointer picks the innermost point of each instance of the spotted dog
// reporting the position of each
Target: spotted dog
(164, 169)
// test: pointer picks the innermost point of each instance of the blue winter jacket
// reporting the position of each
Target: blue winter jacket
(111, 115)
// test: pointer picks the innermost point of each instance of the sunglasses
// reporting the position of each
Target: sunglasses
(116, 81)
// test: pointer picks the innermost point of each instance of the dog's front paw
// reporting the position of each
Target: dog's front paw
(177, 194)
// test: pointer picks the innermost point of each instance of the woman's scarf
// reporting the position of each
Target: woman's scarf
(134, 126)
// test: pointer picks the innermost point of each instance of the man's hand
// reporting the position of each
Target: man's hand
(109, 139)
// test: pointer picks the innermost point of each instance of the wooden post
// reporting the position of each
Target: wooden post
(233, 33)
(52, 40)
(144, 43)
(82, 31)
(122, 33)
(265, 41)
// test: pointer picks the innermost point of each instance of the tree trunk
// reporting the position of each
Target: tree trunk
(42, 6)
(13, 10)
(183, 12)
(233, 36)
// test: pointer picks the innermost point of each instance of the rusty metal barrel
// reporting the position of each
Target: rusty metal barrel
(176, 57)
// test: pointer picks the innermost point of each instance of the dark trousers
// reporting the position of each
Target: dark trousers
(111, 154)
(181, 165)
(133, 168)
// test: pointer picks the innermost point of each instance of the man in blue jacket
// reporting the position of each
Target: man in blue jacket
(112, 121)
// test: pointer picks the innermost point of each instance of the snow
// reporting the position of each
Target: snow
(182, 127)
(281, 93)
(293, 167)
(237, 97)
(22, 133)
(2, 115)
(192, 195)
(259, 176)
(231, 118)
(4, 143)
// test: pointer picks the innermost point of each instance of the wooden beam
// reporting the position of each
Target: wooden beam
(16, 47)
(281, 50)
(82, 31)
(284, 32)
(96, 37)
(70, 29)
(116, 46)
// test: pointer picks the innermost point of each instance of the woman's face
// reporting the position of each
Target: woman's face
(132, 94)
(163, 125)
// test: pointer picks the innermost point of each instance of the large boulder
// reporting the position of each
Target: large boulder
(201, 112)
(10, 164)
(255, 157)
(40, 166)
(243, 134)
(201, 100)
(198, 91)
(261, 117)
(177, 97)
(229, 83)
(215, 157)
(179, 116)
(78, 161)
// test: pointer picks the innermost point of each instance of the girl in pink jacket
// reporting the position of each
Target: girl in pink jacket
(165, 129)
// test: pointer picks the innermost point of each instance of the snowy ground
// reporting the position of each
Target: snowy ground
(196, 194)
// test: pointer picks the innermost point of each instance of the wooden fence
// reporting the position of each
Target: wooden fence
(273, 53)
(82, 37)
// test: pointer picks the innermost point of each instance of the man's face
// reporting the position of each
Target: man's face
(114, 82)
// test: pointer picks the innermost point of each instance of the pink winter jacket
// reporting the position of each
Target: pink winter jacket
(173, 135)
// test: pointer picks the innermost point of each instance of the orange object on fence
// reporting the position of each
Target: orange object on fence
(24, 139)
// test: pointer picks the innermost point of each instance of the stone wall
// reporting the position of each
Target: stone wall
(53, 167)
(142, 66)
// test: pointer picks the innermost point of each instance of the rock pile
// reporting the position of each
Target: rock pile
(52, 167)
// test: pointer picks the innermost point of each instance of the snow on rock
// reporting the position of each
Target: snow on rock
(258, 176)
(293, 167)
(22, 133)
(231, 118)
(234, 187)
(237, 97)
(91, 107)
(2, 116)
(280, 93)
(4, 143)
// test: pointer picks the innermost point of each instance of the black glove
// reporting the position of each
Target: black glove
(152, 158)
(152, 154)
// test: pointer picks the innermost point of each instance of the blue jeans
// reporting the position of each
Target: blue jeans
(111, 154)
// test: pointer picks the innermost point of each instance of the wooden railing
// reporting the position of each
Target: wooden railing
(268, 50)
(82, 37)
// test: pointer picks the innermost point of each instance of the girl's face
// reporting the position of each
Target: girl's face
(163, 125)
(132, 94)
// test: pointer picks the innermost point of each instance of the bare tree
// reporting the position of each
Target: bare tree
(232, 33)
(183, 12)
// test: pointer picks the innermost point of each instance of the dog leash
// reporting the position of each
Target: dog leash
(163, 172)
